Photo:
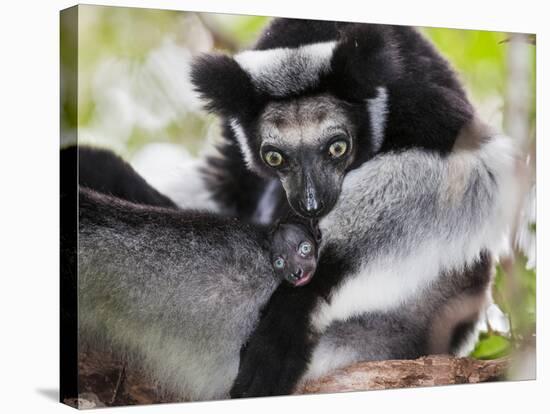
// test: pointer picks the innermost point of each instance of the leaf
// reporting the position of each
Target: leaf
(491, 347)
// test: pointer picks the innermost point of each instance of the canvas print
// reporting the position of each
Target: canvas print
(264, 206)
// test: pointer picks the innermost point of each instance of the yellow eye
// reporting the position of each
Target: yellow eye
(273, 158)
(338, 148)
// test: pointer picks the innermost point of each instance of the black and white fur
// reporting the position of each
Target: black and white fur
(412, 215)
(394, 89)
(177, 293)
(404, 267)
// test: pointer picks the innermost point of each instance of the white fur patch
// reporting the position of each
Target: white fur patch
(284, 71)
(175, 173)
(378, 112)
(243, 142)
(381, 287)
(385, 282)
(327, 358)
(188, 189)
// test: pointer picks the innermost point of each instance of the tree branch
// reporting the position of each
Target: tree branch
(421, 372)
(100, 377)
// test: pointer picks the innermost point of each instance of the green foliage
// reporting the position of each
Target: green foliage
(245, 29)
(514, 290)
(478, 56)
(491, 346)
(122, 32)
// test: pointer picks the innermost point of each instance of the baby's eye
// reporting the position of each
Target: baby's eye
(305, 248)
(279, 263)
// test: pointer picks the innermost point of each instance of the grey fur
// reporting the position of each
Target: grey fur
(411, 330)
(421, 230)
(181, 297)
(176, 293)
(301, 130)
(310, 120)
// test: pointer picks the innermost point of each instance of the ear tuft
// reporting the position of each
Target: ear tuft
(223, 84)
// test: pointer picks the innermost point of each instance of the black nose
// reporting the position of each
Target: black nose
(311, 209)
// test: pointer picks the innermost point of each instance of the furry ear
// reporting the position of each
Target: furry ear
(223, 84)
(366, 57)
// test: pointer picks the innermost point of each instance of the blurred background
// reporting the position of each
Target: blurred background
(134, 96)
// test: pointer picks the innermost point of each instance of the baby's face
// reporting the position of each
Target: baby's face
(294, 254)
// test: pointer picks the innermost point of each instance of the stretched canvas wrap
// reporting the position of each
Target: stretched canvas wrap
(256, 206)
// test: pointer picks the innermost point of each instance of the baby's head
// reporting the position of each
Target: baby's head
(294, 253)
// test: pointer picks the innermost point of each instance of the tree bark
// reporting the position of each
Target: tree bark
(421, 372)
(105, 381)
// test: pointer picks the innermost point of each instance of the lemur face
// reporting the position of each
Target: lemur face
(293, 254)
(309, 143)
(296, 112)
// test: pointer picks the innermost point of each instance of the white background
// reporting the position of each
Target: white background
(29, 223)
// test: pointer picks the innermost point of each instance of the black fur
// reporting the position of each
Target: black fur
(68, 294)
(461, 333)
(103, 171)
(279, 350)
(479, 278)
(427, 104)
(297, 32)
(222, 83)
(427, 109)
(277, 354)
(97, 209)
(231, 183)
